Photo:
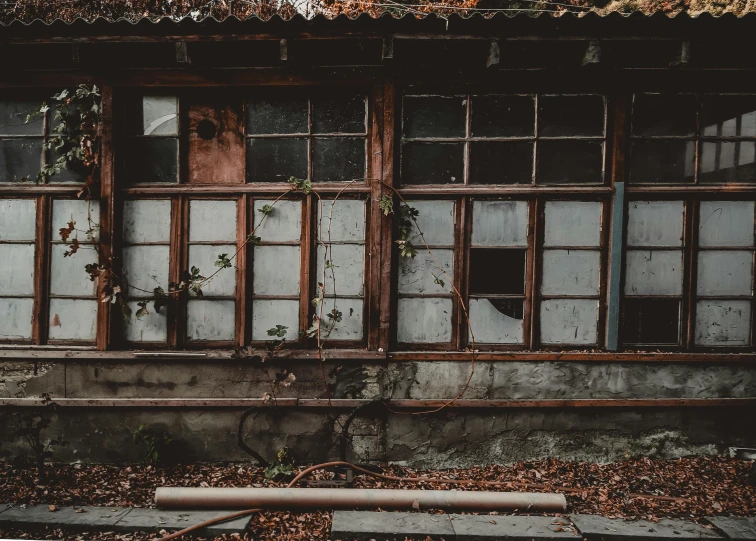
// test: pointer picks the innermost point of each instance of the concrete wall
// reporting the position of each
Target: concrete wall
(446, 439)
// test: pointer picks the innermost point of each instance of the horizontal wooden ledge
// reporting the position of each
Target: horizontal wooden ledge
(231, 189)
(62, 353)
(398, 404)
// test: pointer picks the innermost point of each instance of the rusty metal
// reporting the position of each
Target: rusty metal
(355, 498)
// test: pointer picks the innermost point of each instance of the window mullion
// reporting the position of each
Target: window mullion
(530, 265)
(41, 271)
(177, 303)
(463, 227)
(690, 263)
(308, 247)
(242, 298)
(108, 223)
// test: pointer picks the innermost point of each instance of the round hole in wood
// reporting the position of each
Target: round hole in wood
(206, 129)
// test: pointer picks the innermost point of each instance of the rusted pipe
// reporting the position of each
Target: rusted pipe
(355, 498)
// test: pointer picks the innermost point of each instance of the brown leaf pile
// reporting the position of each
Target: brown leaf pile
(702, 487)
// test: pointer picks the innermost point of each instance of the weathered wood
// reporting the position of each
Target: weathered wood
(107, 213)
(217, 150)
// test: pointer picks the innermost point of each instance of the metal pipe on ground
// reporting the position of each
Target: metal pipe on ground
(355, 498)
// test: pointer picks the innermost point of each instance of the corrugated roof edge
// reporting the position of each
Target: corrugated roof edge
(363, 17)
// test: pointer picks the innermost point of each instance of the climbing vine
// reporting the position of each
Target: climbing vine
(75, 136)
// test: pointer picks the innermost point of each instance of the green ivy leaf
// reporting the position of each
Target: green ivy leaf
(386, 204)
(266, 210)
(223, 261)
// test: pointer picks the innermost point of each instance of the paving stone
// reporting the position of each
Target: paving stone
(141, 519)
(366, 525)
(511, 528)
(4, 506)
(596, 527)
(735, 528)
(39, 516)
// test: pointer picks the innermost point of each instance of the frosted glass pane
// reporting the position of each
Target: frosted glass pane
(348, 261)
(160, 115)
(350, 326)
(723, 323)
(491, 326)
(570, 272)
(210, 320)
(724, 273)
(424, 320)
(212, 221)
(67, 275)
(151, 328)
(73, 319)
(16, 269)
(655, 223)
(572, 223)
(204, 257)
(145, 267)
(276, 270)
(266, 314)
(16, 320)
(500, 223)
(726, 223)
(281, 225)
(18, 219)
(146, 221)
(416, 273)
(436, 221)
(346, 220)
(656, 272)
(569, 321)
(65, 210)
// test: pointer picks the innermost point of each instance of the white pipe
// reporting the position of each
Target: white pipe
(355, 498)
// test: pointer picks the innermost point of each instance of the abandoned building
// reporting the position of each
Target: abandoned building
(437, 241)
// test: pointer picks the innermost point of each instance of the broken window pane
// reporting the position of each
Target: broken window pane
(345, 264)
(210, 320)
(569, 321)
(496, 321)
(159, 115)
(423, 320)
(729, 115)
(503, 116)
(570, 115)
(497, 271)
(436, 221)
(664, 114)
(18, 219)
(497, 162)
(570, 272)
(277, 115)
(724, 272)
(283, 224)
(499, 223)
(152, 327)
(151, 160)
(341, 220)
(73, 319)
(276, 160)
(16, 323)
(723, 323)
(434, 116)
(668, 162)
(276, 270)
(433, 163)
(728, 161)
(726, 224)
(339, 114)
(655, 223)
(570, 162)
(338, 159)
(146, 221)
(657, 272)
(13, 118)
(266, 314)
(651, 321)
(572, 223)
(204, 257)
(20, 158)
(212, 221)
(416, 274)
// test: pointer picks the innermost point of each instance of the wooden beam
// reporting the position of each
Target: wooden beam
(403, 404)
